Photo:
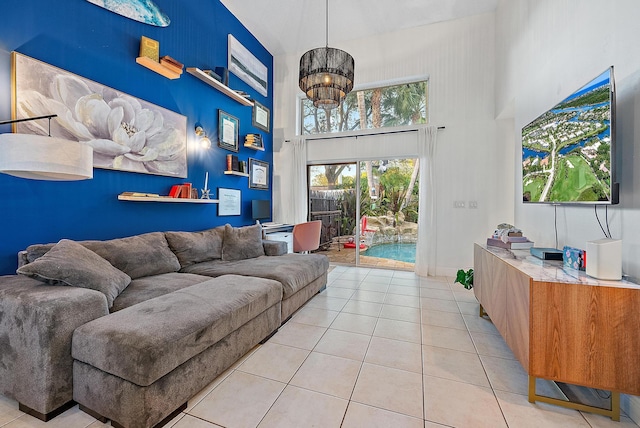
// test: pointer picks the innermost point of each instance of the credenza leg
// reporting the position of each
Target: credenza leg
(482, 311)
(613, 413)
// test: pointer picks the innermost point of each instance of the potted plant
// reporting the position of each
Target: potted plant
(465, 278)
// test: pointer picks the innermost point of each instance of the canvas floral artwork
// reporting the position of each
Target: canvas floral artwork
(126, 133)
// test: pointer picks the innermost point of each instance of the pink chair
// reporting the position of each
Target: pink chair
(306, 236)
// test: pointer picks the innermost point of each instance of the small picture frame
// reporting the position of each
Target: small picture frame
(258, 174)
(230, 202)
(228, 127)
(261, 116)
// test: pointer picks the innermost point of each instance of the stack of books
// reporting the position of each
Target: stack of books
(172, 64)
(514, 242)
(185, 191)
(253, 140)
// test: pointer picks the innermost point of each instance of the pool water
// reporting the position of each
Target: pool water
(396, 251)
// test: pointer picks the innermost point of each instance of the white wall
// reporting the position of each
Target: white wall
(546, 49)
(458, 56)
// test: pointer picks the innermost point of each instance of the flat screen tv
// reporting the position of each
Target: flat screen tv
(568, 152)
(260, 209)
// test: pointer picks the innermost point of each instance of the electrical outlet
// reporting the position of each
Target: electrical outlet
(473, 204)
(458, 204)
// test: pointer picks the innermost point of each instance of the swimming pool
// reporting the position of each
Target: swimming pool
(395, 251)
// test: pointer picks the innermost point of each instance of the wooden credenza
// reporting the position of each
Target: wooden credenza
(561, 324)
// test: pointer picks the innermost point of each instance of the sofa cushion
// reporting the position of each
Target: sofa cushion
(146, 341)
(148, 287)
(196, 247)
(69, 263)
(242, 243)
(137, 256)
(293, 271)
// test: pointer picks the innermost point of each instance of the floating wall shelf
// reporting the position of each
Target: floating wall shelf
(241, 174)
(157, 67)
(131, 198)
(251, 146)
(194, 71)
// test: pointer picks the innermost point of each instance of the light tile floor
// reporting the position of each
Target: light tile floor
(377, 348)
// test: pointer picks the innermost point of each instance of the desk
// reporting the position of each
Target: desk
(268, 228)
(561, 324)
(279, 232)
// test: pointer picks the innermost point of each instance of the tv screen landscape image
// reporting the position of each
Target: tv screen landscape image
(567, 153)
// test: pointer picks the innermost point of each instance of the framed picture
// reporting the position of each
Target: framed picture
(228, 131)
(126, 133)
(258, 174)
(247, 67)
(230, 202)
(261, 116)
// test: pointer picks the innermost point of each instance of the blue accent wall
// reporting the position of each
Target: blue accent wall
(92, 42)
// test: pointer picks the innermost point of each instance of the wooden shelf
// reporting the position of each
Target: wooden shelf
(241, 174)
(194, 71)
(157, 67)
(251, 146)
(165, 199)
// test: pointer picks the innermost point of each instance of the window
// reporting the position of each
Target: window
(390, 106)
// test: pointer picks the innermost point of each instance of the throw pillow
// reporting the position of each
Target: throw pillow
(242, 243)
(196, 247)
(70, 263)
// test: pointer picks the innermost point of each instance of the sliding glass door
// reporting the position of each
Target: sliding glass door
(369, 211)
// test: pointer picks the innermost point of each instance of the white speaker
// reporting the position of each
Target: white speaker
(604, 259)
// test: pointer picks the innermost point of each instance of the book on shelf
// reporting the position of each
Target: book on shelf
(232, 163)
(523, 245)
(223, 72)
(141, 195)
(150, 48)
(175, 191)
(171, 66)
(213, 75)
(168, 60)
(185, 193)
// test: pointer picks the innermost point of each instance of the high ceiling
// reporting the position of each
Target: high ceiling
(294, 26)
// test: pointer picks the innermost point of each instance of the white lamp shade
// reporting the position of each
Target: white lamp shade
(45, 158)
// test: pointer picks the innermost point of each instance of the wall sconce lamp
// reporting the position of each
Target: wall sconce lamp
(40, 157)
(205, 142)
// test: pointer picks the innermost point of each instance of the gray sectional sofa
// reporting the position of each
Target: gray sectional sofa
(131, 328)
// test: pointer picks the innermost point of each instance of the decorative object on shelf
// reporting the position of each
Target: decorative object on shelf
(247, 67)
(204, 77)
(205, 142)
(326, 74)
(205, 189)
(42, 157)
(465, 278)
(230, 202)
(261, 116)
(149, 139)
(145, 11)
(150, 48)
(228, 131)
(258, 174)
(254, 141)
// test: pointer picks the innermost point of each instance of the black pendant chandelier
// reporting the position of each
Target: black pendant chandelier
(326, 74)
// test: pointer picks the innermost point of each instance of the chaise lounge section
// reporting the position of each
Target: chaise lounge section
(217, 293)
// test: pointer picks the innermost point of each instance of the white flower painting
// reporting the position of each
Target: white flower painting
(126, 133)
